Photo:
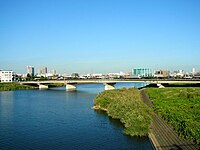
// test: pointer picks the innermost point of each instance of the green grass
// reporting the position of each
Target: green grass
(181, 108)
(126, 105)
(14, 86)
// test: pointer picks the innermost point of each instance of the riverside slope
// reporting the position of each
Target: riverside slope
(127, 106)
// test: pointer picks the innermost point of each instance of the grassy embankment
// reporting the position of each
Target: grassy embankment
(126, 105)
(17, 86)
(181, 108)
(14, 86)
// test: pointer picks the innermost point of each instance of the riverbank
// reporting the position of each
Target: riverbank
(127, 106)
(180, 107)
(174, 113)
(14, 86)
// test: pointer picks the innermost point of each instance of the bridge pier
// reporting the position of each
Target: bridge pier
(160, 86)
(70, 87)
(109, 86)
(43, 87)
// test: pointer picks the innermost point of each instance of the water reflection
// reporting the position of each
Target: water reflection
(6, 107)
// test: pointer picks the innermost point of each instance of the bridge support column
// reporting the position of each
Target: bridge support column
(109, 86)
(41, 86)
(160, 86)
(70, 87)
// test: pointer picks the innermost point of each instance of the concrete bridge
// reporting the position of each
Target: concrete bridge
(109, 84)
(70, 84)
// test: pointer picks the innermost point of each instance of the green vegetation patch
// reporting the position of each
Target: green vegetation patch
(126, 105)
(181, 108)
(14, 86)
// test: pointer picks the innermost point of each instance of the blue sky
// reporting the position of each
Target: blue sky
(99, 35)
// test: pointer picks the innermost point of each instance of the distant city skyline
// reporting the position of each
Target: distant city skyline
(45, 70)
(99, 36)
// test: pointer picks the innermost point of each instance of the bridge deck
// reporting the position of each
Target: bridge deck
(110, 81)
(163, 135)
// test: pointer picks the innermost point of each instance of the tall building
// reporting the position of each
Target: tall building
(30, 70)
(141, 72)
(193, 71)
(6, 75)
(44, 70)
(39, 72)
(53, 72)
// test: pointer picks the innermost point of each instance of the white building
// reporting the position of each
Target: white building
(53, 72)
(178, 74)
(97, 75)
(42, 72)
(6, 75)
(193, 71)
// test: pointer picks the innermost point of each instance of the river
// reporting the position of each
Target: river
(57, 119)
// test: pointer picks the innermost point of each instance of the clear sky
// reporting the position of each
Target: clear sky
(99, 35)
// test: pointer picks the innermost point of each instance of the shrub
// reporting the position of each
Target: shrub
(126, 105)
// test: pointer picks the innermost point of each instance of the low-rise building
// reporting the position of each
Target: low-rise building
(116, 75)
(6, 76)
(162, 74)
(178, 74)
(75, 75)
(197, 76)
(97, 75)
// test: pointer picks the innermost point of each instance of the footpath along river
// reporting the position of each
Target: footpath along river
(56, 119)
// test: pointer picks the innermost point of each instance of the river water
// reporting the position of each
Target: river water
(57, 119)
